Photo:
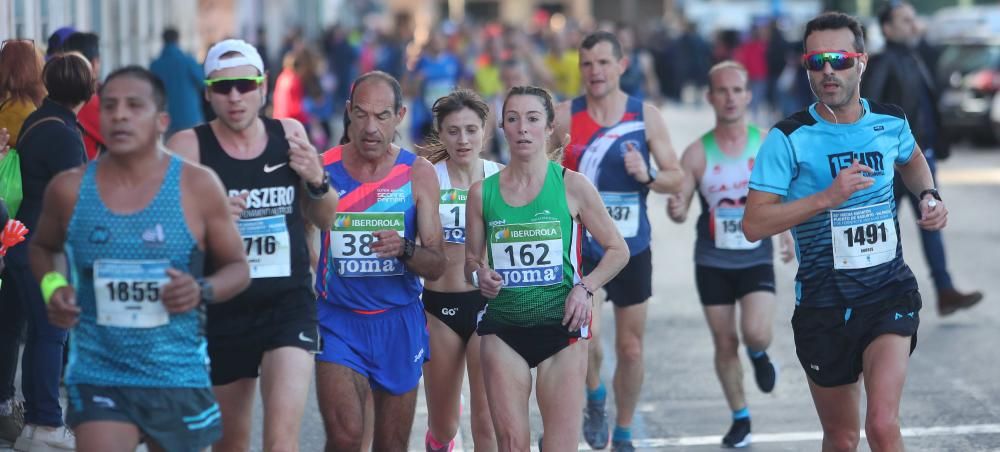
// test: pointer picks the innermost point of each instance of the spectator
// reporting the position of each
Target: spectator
(563, 63)
(752, 54)
(50, 143)
(56, 41)
(435, 74)
(88, 44)
(21, 92)
(184, 80)
(21, 88)
(298, 71)
(639, 79)
(899, 76)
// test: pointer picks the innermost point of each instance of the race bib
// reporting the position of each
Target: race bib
(351, 243)
(527, 254)
(128, 292)
(267, 246)
(729, 230)
(623, 207)
(863, 237)
(452, 210)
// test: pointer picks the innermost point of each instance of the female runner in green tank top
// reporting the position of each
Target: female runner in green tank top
(523, 227)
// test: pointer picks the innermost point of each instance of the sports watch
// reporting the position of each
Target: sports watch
(207, 292)
(409, 247)
(651, 172)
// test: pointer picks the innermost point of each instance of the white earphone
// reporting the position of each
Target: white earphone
(862, 67)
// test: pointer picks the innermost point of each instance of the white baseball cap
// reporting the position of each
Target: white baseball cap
(248, 56)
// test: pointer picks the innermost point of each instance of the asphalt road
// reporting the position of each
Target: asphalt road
(951, 401)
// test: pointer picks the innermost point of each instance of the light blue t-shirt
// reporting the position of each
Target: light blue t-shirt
(851, 255)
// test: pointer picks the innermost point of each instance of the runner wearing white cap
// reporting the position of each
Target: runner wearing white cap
(276, 186)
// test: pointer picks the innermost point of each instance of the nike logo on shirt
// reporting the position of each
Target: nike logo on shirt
(271, 169)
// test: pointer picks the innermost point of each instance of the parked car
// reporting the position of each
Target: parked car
(968, 70)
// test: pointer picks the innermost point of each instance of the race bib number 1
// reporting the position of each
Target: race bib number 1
(452, 210)
(128, 292)
(351, 240)
(267, 246)
(863, 237)
(729, 230)
(527, 254)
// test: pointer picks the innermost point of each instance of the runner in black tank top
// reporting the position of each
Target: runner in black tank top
(275, 184)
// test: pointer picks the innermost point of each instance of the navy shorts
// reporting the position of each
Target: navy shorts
(830, 342)
(239, 335)
(720, 286)
(388, 348)
(176, 419)
(631, 286)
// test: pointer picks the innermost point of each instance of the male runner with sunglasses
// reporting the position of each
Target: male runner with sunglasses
(827, 172)
(276, 184)
(612, 138)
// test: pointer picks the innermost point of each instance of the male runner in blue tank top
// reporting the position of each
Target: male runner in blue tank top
(826, 173)
(276, 187)
(612, 137)
(137, 225)
(368, 277)
(728, 268)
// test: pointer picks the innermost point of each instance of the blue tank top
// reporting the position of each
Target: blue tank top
(349, 275)
(599, 153)
(119, 268)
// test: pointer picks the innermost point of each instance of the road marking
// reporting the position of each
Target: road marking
(789, 437)
(969, 176)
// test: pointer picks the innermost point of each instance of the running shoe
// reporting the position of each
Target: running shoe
(622, 446)
(11, 423)
(739, 434)
(37, 438)
(765, 372)
(595, 425)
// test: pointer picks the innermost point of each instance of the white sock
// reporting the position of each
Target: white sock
(7, 407)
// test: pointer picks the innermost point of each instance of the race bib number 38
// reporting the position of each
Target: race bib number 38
(527, 254)
(351, 243)
(863, 237)
(267, 246)
(452, 210)
(128, 292)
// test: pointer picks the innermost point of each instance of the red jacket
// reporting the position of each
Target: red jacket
(90, 118)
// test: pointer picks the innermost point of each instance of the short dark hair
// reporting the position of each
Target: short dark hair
(885, 12)
(170, 35)
(383, 77)
(597, 37)
(69, 79)
(141, 73)
(88, 44)
(834, 21)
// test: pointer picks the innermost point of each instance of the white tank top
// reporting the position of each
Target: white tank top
(452, 205)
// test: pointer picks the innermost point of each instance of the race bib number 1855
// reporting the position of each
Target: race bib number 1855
(128, 292)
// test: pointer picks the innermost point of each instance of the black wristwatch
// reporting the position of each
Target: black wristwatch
(409, 247)
(930, 191)
(651, 172)
(207, 292)
(321, 190)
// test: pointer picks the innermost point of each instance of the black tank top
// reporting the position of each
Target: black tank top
(272, 226)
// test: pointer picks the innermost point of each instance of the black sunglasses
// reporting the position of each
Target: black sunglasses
(225, 85)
